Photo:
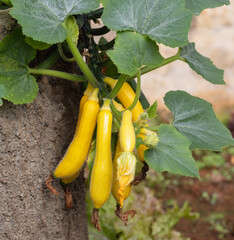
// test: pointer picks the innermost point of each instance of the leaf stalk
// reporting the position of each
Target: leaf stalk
(55, 73)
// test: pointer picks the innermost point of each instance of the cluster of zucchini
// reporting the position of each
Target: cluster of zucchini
(107, 176)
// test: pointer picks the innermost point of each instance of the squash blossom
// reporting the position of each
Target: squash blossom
(126, 165)
(151, 138)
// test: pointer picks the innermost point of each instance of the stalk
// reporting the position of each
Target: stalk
(63, 56)
(147, 69)
(54, 73)
(83, 67)
(138, 91)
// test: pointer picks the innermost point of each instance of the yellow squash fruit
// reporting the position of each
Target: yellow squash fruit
(126, 95)
(127, 133)
(84, 99)
(141, 148)
(68, 180)
(102, 172)
(118, 106)
(79, 147)
(115, 187)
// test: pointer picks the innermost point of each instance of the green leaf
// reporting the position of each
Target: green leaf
(172, 153)
(196, 120)
(132, 50)
(164, 21)
(16, 85)
(201, 65)
(72, 28)
(43, 20)
(152, 110)
(37, 44)
(196, 7)
(139, 141)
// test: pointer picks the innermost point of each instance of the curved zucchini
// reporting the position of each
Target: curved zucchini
(79, 147)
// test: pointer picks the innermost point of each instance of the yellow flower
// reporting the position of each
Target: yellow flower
(126, 165)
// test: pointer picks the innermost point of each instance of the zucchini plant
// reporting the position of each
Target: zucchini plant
(64, 28)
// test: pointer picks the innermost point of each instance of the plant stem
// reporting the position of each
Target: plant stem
(117, 87)
(63, 56)
(147, 69)
(116, 123)
(50, 61)
(115, 111)
(54, 73)
(84, 68)
(138, 91)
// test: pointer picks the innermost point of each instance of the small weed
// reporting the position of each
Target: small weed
(217, 222)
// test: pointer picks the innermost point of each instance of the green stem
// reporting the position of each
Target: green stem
(147, 69)
(115, 111)
(63, 56)
(59, 74)
(118, 86)
(116, 123)
(138, 91)
(50, 61)
(84, 68)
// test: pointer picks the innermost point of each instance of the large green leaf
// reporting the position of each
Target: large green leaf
(172, 153)
(37, 44)
(202, 65)
(132, 50)
(196, 120)
(164, 21)
(16, 84)
(43, 20)
(73, 28)
(197, 6)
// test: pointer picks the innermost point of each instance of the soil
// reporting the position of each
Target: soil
(192, 192)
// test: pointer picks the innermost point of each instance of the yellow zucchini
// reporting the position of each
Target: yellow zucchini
(118, 106)
(68, 180)
(141, 148)
(127, 133)
(102, 172)
(84, 99)
(79, 147)
(126, 96)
